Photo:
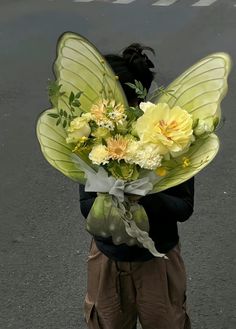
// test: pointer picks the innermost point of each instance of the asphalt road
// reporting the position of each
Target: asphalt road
(43, 242)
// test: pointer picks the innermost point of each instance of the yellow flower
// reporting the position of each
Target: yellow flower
(106, 113)
(146, 105)
(117, 113)
(170, 129)
(186, 162)
(117, 147)
(99, 155)
(98, 111)
(161, 171)
(101, 132)
(78, 129)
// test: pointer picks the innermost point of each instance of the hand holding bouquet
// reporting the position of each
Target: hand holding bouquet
(94, 137)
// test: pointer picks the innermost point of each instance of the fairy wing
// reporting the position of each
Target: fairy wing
(201, 88)
(79, 67)
(199, 155)
(54, 147)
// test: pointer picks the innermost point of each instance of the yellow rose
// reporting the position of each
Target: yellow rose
(78, 128)
(169, 128)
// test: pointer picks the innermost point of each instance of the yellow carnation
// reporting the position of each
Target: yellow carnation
(147, 156)
(99, 155)
(170, 129)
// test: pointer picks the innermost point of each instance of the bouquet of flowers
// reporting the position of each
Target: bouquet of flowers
(94, 137)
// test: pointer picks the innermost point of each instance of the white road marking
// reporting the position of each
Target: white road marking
(203, 3)
(124, 2)
(164, 2)
(82, 0)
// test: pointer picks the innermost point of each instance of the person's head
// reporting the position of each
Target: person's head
(132, 65)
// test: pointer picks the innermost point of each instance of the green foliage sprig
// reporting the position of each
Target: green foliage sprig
(163, 91)
(62, 116)
(142, 92)
(139, 89)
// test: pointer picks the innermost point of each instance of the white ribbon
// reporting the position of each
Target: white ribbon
(99, 181)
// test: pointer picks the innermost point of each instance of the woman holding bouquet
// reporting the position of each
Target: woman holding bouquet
(128, 282)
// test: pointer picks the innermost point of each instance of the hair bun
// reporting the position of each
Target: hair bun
(136, 59)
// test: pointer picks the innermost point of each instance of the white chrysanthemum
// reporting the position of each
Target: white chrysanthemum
(99, 154)
(147, 156)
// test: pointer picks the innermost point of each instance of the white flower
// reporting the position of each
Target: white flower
(147, 156)
(146, 105)
(99, 154)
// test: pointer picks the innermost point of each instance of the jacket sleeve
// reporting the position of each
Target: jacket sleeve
(176, 203)
(86, 200)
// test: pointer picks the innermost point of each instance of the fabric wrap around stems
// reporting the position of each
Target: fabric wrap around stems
(112, 213)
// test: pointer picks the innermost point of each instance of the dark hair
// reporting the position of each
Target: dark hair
(132, 65)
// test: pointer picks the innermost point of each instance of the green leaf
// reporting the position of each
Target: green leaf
(138, 88)
(71, 98)
(76, 103)
(54, 92)
(58, 121)
(53, 115)
(78, 94)
(64, 124)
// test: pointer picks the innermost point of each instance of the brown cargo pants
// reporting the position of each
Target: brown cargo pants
(119, 292)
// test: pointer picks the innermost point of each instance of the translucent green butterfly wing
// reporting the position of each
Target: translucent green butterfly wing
(80, 67)
(54, 148)
(199, 155)
(201, 88)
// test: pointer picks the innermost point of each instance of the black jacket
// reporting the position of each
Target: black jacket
(164, 210)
